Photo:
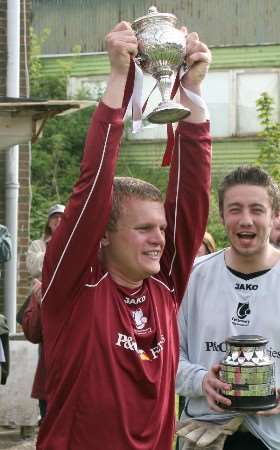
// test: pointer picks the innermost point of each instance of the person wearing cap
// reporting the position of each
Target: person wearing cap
(30, 317)
(36, 251)
(32, 327)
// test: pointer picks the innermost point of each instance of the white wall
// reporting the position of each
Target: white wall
(230, 94)
(16, 406)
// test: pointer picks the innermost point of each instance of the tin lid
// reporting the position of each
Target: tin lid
(151, 16)
(246, 340)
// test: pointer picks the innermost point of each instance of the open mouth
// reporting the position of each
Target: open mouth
(246, 236)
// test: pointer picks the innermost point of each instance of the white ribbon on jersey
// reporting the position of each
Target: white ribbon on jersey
(195, 98)
(136, 98)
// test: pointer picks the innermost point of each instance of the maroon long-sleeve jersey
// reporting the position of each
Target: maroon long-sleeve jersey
(111, 353)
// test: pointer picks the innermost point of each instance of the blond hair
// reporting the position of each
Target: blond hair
(127, 187)
(209, 242)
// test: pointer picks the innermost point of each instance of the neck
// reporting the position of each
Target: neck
(266, 259)
(119, 276)
(122, 280)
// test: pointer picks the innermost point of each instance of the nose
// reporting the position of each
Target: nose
(56, 222)
(246, 218)
(157, 236)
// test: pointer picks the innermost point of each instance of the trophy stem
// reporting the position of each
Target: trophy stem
(164, 85)
(167, 111)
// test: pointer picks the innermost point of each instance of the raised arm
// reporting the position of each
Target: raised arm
(187, 200)
(75, 243)
(121, 45)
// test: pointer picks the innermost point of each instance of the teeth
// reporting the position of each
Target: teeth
(153, 253)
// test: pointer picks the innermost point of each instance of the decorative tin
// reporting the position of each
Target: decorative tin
(250, 371)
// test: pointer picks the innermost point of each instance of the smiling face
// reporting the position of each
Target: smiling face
(132, 252)
(247, 217)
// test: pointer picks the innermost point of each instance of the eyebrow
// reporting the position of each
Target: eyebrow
(150, 224)
(250, 204)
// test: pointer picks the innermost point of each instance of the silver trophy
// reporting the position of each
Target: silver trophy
(162, 49)
(250, 371)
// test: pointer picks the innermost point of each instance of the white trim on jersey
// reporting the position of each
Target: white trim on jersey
(98, 282)
(176, 205)
(81, 214)
(163, 284)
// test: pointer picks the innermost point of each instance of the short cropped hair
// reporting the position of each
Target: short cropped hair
(127, 187)
(251, 175)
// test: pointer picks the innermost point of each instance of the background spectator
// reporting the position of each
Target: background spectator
(275, 232)
(208, 245)
(37, 248)
(30, 319)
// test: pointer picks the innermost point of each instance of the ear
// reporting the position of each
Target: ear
(222, 218)
(105, 241)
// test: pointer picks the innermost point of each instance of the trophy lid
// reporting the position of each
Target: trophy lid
(151, 16)
(247, 340)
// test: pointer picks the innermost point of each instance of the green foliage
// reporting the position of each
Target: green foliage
(56, 155)
(156, 175)
(51, 86)
(35, 63)
(269, 156)
(215, 226)
(55, 164)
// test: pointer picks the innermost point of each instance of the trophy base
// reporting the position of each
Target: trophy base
(251, 403)
(168, 112)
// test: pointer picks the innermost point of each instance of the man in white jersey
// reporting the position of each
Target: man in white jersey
(247, 273)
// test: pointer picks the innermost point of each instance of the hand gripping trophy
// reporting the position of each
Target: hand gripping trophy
(162, 49)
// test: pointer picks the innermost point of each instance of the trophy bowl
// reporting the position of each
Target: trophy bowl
(249, 370)
(162, 49)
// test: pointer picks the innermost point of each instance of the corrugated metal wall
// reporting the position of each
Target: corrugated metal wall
(222, 58)
(219, 22)
(227, 154)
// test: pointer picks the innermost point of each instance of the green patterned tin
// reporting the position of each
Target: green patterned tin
(249, 370)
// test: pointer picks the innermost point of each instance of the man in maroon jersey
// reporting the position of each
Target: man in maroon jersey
(114, 274)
